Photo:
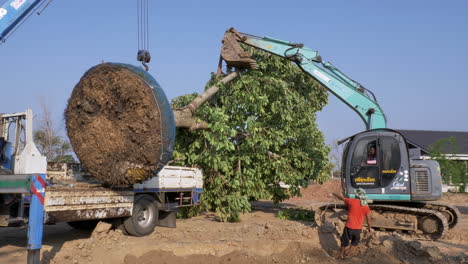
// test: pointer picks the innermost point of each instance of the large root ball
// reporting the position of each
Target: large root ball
(120, 124)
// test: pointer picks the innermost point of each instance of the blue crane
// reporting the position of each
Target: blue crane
(14, 12)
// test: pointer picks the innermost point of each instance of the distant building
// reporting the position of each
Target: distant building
(425, 138)
(422, 140)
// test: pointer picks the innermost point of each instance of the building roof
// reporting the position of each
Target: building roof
(425, 138)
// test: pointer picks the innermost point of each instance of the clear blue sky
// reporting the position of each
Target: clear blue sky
(412, 54)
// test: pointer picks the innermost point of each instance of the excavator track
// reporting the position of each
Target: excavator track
(450, 212)
(431, 223)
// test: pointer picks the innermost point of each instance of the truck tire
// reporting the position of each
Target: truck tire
(118, 223)
(144, 216)
(84, 225)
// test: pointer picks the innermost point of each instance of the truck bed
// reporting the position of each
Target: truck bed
(75, 204)
(82, 198)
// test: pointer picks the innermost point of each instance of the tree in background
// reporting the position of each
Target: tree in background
(326, 174)
(262, 131)
(48, 140)
(453, 171)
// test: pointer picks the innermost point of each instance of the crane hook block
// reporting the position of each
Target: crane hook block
(145, 57)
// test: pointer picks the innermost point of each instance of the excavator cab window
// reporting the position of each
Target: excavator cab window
(375, 162)
(343, 162)
(391, 159)
(365, 165)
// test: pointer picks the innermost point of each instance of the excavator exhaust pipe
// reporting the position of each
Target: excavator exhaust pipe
(232, 52)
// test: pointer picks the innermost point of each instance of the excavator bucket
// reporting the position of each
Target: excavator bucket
(234, 54)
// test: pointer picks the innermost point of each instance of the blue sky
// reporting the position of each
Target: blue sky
(412, 54)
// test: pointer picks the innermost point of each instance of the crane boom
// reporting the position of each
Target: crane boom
(347, 90)
(12, 12)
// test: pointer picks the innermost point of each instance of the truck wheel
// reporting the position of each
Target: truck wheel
(84, 225)
(144, 216)
(118, 223)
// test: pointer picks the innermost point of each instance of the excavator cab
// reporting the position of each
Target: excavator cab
(379, 162)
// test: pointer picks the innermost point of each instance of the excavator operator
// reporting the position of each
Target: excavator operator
(372, 157)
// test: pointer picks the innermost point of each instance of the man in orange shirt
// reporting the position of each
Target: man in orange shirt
(357, 210)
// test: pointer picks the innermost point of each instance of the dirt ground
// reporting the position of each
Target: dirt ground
(260, 237)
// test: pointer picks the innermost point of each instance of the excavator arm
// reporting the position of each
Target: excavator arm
(361, 100)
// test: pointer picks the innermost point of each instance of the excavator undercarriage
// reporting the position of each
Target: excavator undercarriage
(432, 220)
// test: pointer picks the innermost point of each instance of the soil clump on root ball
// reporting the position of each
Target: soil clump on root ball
(114, 125)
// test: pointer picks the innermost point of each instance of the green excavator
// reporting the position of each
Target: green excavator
(402, 186)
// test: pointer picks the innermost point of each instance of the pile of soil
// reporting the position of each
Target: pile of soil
(114, 122)
(320, 192)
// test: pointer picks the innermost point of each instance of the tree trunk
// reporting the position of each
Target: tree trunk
(184, 117)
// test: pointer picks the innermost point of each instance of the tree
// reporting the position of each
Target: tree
(453, 171)
(325, 174)
(48, 140)
(262, 131)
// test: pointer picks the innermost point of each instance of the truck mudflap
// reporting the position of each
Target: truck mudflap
(67, 205)
(167, 219)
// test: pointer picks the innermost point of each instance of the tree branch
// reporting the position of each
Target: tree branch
(184, 117)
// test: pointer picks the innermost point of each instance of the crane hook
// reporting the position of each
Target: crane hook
(145, 57)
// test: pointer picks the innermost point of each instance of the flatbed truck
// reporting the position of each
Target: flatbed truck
(32, 195)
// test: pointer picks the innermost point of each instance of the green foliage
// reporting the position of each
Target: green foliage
(188, 212)
(298, 214)
(64, 158)
(453, 171)
(325, 174)
(262, 132)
